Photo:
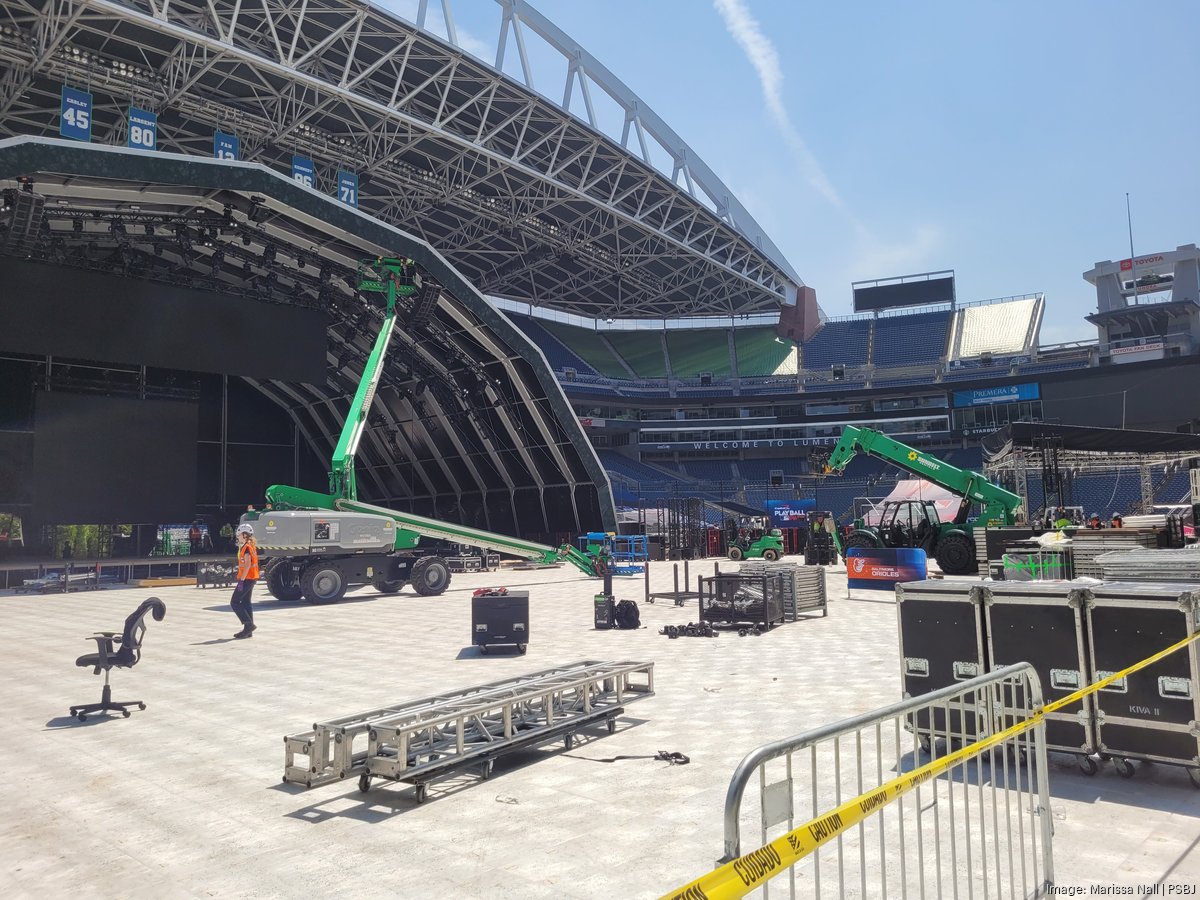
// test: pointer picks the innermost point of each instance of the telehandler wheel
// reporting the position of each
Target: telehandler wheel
(955, 554)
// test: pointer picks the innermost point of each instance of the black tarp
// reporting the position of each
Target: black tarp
(1027, 435)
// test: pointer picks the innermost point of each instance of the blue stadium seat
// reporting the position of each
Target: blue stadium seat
(910, 339)
(556, 353)
(838, 343)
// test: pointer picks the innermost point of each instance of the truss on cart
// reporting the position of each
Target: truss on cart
(417, 741)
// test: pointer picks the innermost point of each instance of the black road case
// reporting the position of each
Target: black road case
(1043, 623)
(500, 618)
(941, 643)
(1153, 714)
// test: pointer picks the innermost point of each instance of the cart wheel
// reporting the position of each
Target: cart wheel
(1123, 766)
(925, 743)
(521, 648)
(1194, 774)
(612, 726)
(483, 649)
(141, 705)
(487, 769)
(126, 713)
(422, 792)
(364, 782)
(569, 740)
(1087, 765)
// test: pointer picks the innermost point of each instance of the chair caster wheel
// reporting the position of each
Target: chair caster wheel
(364, 783)
(483, 649)
(141, 705)
(521, 648)
(925, 744)
(1123, 766)
(126, 713)
(1087, 765)
(81, 717)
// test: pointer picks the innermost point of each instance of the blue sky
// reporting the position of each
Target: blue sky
(878, 139)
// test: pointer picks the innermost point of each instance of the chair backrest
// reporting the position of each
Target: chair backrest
(135, 628)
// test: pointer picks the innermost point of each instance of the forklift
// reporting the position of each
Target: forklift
(751, 537)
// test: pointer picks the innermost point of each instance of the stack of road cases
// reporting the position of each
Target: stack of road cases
(941, 643)
(1043, 623)
(803, 587)
(1151, 565)
(1154, 713)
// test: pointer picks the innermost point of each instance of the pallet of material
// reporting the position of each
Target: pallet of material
(163, 582)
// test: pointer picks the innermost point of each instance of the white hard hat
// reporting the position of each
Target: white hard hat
(246, 528)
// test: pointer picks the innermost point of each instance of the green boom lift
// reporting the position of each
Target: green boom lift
(321, 544)
(915, 523)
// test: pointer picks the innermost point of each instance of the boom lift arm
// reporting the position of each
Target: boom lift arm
(999, 505)
(398, 278)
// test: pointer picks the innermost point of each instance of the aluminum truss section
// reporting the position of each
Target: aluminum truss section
(529, 201)
(418, 741)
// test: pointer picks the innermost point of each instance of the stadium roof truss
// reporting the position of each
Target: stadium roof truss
(527, 200)
(468, 424)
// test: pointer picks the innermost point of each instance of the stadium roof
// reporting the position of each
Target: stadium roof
(468, 425)
(527, 200)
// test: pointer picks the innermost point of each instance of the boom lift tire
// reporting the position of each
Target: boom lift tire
(323, 582)
(955, 555)
(430, 576)
(387, 587)
(282, 583)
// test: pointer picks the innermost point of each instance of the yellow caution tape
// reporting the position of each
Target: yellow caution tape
(742, 875)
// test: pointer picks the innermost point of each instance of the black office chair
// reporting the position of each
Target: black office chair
(122, 651)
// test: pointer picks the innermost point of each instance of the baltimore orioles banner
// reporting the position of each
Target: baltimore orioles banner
(871, 569)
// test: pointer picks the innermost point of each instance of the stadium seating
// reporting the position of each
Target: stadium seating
(583, 343)
(844, 343)
(760, 353)
(1007, 328)
(632, 469)
(1061, 366)
(702, 350)
(910, 339)
(557, 354)
(716, 471)
(758, 471)
(1176, 489)
(642, 352)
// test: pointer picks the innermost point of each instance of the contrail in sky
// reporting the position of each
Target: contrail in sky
(745, 30)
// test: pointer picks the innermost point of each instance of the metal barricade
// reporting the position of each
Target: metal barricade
(981, 829)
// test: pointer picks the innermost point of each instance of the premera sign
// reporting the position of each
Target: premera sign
(1009, 393)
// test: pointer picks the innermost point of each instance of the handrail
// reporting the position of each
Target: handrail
(776, 749)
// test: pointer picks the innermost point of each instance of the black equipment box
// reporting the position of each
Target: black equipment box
(459, 564)
(1154, 713)
(491, 561)
(1043, 623)
(941, 643)
(500, 618)
(605, 611)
